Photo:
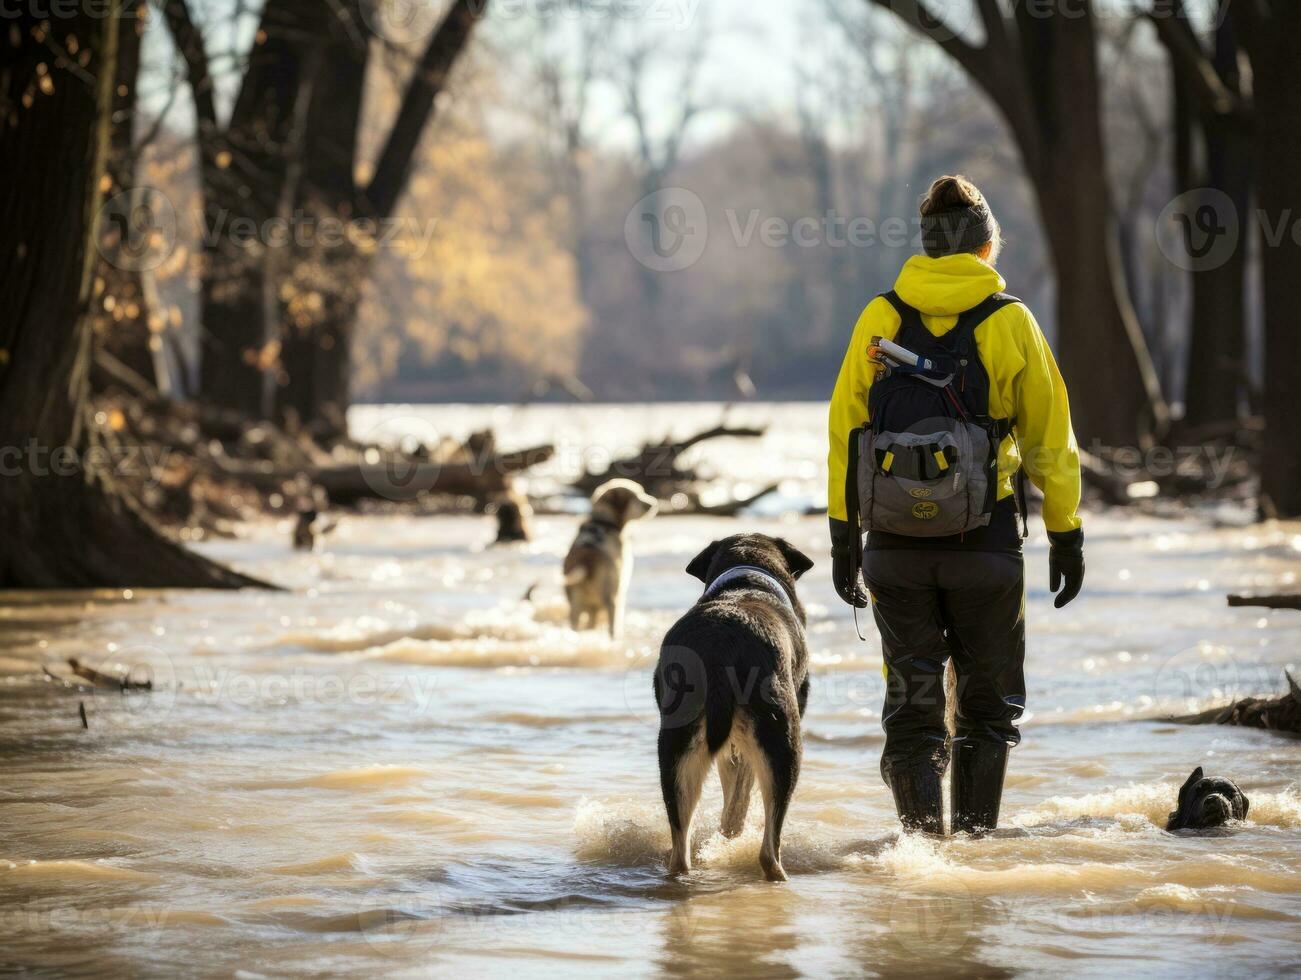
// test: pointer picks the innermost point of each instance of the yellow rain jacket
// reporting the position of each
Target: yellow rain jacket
(1024, 382)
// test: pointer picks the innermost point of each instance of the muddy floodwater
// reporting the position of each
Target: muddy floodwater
(401, 766)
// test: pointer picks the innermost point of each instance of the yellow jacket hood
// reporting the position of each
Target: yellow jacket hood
(948, 285)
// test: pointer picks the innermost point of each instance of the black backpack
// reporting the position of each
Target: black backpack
(926, 465)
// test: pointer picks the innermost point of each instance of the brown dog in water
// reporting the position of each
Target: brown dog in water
(599, 563)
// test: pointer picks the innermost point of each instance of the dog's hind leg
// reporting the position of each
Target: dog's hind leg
(738, 781)
(775, 757)
(684, 761)
(612, 603)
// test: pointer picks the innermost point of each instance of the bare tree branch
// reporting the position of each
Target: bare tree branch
(1191, 62)
(189, 42)
(446, 45)
(924, 21)
(997, 38)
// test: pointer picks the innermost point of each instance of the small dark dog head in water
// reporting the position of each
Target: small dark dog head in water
(1206, 802)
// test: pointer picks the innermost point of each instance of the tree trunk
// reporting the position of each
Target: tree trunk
(321, 283)
(316, 337)
(244, 171)
(1211, 158)
(1217, 364)
(120, 318)
(1275, 49)
(1060, 133)
(64, 524)
(317, 365)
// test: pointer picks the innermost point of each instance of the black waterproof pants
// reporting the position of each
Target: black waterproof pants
(931, 605)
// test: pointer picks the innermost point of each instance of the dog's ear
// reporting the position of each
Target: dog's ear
(640, 504)
(797, 561)
(1246, 805)
(1188, 785)
(699, 566)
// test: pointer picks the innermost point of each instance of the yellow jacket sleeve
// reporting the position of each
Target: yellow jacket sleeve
(848, 408)
(1049, 453)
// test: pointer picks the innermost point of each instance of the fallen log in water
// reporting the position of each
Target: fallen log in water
(98, 678)
(1267, 601)
(728, 508)
(1276, 714)
(656, 466)
(397, 477)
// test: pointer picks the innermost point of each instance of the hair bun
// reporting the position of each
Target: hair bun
(949, 193)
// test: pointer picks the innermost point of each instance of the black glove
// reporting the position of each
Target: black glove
(1065, 560)
(844, 570)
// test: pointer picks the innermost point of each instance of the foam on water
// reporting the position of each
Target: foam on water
(366, 778)
(72, 871)
(1151, 803)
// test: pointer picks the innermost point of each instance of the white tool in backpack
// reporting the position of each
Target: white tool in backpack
(893, 357)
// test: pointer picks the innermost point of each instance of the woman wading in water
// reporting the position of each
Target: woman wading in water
(947, 398)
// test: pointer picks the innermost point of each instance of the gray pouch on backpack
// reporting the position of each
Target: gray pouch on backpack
(930, 481)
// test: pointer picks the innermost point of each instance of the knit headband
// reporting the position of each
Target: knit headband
(957, 230)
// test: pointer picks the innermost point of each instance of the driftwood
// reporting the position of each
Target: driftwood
(1267, 601)
(101, 679)
(729, 508)
(1097, 476)
(656, 467)
(398, 478)
(1276, 714)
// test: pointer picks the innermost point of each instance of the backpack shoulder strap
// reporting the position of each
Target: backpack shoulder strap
(910, 320)
(962, 336)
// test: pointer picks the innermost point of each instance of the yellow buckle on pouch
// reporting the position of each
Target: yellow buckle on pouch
(887, 462)
(940, 461)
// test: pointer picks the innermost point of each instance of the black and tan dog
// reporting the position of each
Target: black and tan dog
(731, 684)
(1206, 802)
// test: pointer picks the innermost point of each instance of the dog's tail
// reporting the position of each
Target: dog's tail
(718, 722)
(576, 574)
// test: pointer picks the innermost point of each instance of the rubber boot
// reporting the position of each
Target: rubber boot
(919, 799)
(979, 767)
